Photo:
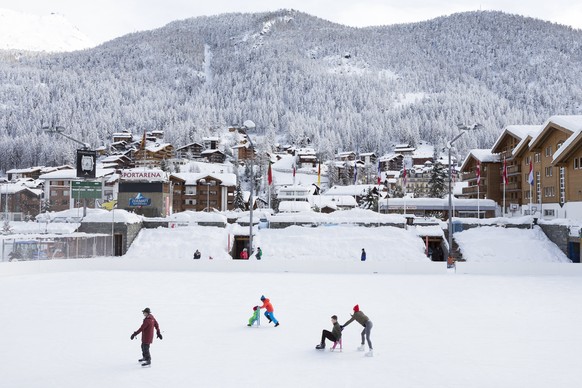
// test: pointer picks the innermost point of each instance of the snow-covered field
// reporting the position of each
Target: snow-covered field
(70, 327)
(66, 323)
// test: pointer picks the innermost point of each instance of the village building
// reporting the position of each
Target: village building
(480, 171)
(203, 192)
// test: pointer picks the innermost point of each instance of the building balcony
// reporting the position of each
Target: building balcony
(471, 176)
(472, 190)
(513, 169)
(511, 186)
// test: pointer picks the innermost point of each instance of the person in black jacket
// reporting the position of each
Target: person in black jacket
(334, 335)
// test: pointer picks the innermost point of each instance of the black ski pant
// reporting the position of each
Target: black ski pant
(327, 334)
(145, 351)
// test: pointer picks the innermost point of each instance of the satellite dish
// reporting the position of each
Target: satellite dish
(249, 124)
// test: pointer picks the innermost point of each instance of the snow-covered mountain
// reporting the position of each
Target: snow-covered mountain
(50, 33)
(296, 76)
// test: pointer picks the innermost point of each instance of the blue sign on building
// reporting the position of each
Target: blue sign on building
(140, 200)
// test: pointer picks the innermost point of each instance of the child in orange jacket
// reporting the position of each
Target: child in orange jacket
(269, 313)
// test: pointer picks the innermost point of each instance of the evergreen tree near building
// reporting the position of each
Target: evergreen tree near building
(370, 200)
(437, 182)
(239, 201)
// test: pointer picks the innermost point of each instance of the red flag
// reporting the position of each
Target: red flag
(404, 177)
(293, 170)
(505, 181)
(478, 173)
(379, 173)
(270, 175)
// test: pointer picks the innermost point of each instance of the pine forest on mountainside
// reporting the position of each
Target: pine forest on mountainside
(295, 76)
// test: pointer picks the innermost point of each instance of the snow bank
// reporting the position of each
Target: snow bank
(498, 244)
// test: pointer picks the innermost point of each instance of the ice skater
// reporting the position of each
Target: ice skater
(147, 336)
(363, 320)
(255, 317)
(270, 310)
(334, 335)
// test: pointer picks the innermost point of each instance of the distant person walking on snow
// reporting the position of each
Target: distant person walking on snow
(147, 335)
(334, 335)
(197, 255)
(363, 257)
(270, 310)
(259, 253)
(363, 320)
(244, 255)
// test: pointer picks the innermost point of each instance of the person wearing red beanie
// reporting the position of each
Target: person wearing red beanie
(363, 320)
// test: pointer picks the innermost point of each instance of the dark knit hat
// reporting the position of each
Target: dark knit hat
(356, 308)
(334, 317)
(146, 310)
(262, 297)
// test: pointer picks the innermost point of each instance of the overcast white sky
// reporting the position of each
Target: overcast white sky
(103, 20)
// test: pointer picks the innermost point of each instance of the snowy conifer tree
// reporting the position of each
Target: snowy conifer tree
(436, 183)
(239, 201)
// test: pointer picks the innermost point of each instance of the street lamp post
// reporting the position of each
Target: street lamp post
(59, 131)
(462, 128)
(249, 125)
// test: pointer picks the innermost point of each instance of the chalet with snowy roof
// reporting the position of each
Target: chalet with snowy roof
(550, 173)
(125, 136)
(346, 156)
(368, 158)
(214, 156)
(203, 192)
(391, 162)
(422, 154)
(18, 173)
(151, 154)
(481, 165)
(404, 149)
(508, 145)
(20, 201)
(244, 150)
(306, 157)
(33, 172)
(158, 134)
(117, 161)
(190, 151)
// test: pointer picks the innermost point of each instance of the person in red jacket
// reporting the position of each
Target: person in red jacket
(244, 254)
(270, 310)
(147, 335)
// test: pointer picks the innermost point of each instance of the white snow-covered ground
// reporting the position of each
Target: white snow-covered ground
(70, 328)
(66, 323)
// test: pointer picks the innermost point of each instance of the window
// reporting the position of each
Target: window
(549, 191)
(548, 171)
(549, 151)
(537, 157)
(576, 163)
(190, 190)
(53, 193)
(66, 193)
(549, 212)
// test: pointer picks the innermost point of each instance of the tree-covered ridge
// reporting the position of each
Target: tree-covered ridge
(296, 76)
